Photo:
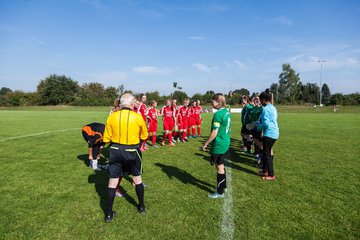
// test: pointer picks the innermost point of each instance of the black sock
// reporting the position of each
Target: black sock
(221, 182)
(140, 193)
(110, 203)
(248, 145)
(244, 141)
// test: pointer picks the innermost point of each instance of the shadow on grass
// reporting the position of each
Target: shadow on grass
(100, 179)
(103, 157)
(235, 155)
(185, 177)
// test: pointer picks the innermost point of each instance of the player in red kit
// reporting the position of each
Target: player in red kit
(183, 119)
(152, 114)
(142, 107)
(197, 118)
(175, 133)
(168, 121)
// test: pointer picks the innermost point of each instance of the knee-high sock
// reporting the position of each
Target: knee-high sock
(199, 130)
(139, 188)
(170, 138)
(110, 198)
(193, 131)
(221, 182)
(153, 140)
(183, 136)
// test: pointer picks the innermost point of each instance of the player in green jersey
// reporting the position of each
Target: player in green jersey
(220, 139)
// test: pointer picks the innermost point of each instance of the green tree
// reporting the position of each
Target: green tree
(337, 99)
(326, 95)
(242, 92)
(206, 98)
(288, 84)
(94, 94)
(3, 92)
(179, 96)
(197, 96)
(56, 89)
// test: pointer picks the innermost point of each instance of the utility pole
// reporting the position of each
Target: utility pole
(321, 76)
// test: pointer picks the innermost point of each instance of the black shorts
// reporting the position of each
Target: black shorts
(256, 134)
(124, 160)
(244, 130)
(218, 159)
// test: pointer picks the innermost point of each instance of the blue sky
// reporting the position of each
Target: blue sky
(148, 45)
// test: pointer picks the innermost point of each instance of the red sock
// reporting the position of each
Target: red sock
(153, 139)
(199, 130)
(164, 138)
(170, 138)
(193, 131)
(183, 136)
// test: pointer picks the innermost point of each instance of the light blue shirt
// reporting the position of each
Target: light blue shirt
(268, 122)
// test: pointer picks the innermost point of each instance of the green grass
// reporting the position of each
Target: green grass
(47, 192)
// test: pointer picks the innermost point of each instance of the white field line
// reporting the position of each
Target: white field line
(37, 134)
(227, 223)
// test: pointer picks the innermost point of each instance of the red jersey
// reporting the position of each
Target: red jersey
(197, 111)
(151, 114)
(142, 110)
(168, 113)
(183, 113)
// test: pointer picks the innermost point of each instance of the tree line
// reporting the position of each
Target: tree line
(61, 89)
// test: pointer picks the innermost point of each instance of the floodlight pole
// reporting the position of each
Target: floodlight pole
(321, 76)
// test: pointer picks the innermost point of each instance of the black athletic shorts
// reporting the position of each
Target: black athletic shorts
(218, 159)
(124, 160)
(244, 130)
(256, 134)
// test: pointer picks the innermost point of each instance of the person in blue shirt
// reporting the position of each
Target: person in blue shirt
(268, 124)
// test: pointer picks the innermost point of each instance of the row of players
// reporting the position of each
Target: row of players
(179, 122)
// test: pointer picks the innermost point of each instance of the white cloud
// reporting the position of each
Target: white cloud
(199, 38)
(37, 40)
(151, 70)
(240, 65)
(283, 20)
(201, 67)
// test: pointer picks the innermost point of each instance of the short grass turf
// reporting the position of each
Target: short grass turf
(48, 192)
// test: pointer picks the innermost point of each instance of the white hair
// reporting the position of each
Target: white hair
(127, 100)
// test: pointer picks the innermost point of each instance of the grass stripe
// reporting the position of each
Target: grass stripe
(37, 134)
(227, 224)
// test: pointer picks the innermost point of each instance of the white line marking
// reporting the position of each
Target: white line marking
(36, 134)
(227, 224)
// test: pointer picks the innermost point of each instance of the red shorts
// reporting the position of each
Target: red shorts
(152, 126)
(197, 121)
(183, 124)
(169, 125)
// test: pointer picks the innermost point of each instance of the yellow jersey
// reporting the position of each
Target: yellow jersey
(125, 127)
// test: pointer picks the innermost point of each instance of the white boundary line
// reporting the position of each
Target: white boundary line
(227, 223)
(36, 134)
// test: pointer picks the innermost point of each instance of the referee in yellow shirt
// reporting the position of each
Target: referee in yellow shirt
(123, 131)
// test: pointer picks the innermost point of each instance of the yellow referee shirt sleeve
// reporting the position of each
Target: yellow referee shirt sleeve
(108, 132)
(143, 131)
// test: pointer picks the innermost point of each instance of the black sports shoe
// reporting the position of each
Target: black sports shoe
(109, 218)
(141, 209)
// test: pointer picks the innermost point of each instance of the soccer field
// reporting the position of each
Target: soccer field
(48, 192)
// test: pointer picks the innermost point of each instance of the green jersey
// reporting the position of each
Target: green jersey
(222, 122)
(255, 113)
(245, 114)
